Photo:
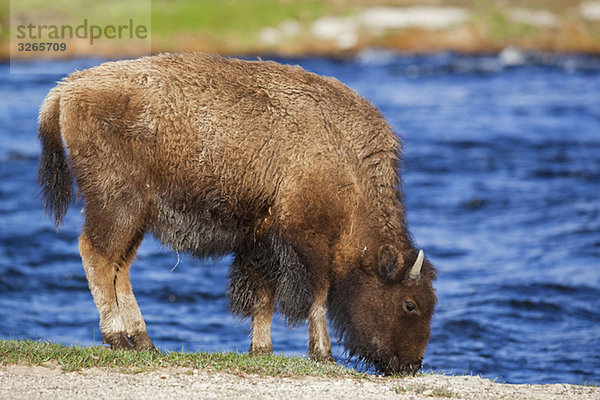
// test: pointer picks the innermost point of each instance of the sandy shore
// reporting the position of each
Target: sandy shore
(34, 382)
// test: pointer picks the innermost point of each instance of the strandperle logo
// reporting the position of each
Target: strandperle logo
(84, 30)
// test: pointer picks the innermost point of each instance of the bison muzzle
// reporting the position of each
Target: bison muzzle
(294, 173)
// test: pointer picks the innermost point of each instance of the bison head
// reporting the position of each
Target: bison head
(383, 311)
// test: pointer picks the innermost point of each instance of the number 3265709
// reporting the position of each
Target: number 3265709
(27, 46)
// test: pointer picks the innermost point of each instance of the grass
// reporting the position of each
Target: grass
(234, 26)
(74, 358)
(224, 23)
(229, 19)
(494, 16)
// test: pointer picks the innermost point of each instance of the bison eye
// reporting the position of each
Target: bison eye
(410, 306)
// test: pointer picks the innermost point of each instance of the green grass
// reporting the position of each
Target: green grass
(69, 358)
(233, 26)
(494, 16)
(219, 21)
(230, 19)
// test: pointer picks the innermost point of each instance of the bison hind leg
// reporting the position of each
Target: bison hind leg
(121, 321)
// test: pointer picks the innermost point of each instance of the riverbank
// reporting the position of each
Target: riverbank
(50, 382)
(40, 370)
(345, 28)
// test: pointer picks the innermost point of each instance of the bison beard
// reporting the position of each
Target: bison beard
(294, 173)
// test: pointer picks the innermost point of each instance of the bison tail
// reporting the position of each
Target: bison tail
(54, 175)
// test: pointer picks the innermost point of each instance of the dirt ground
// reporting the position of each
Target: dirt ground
(35, 382)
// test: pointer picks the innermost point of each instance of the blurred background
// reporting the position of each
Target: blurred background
(498, 105)
(337, 27)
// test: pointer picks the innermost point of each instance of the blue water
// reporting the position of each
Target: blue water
(502, 185)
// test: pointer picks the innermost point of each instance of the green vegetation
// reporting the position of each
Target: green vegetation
(238, 26)
(69, 358)
(495, 18)
(227, 20)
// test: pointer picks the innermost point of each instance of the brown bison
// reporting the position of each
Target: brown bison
(293, 172)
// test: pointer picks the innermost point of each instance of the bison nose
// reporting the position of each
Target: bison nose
(412, 368)
(395, 367)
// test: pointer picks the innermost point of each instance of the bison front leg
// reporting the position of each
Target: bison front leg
(262, 317)
(319, 345)
(252, 295)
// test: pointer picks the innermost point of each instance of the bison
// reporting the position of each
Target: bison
(294, 173)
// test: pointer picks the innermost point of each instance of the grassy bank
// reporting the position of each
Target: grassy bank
(73, 358)
(338, 28)
(31, 369)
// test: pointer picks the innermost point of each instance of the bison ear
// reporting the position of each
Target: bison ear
(390, 263)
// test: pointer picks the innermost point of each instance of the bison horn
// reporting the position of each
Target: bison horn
(415, 271)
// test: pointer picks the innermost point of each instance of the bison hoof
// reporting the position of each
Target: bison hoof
(261, 350)
(326, 357)
(118, 341)
(142, 342)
